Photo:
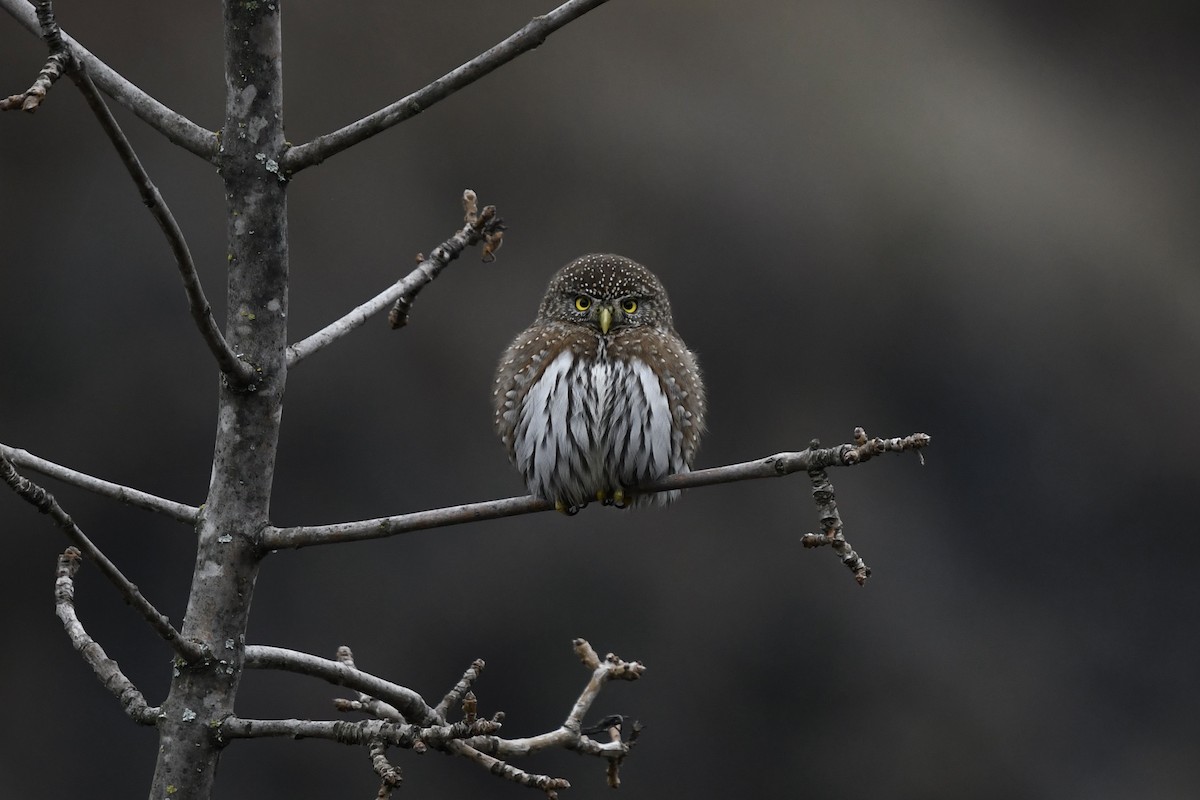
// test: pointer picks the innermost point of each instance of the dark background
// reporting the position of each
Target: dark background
(974, 220)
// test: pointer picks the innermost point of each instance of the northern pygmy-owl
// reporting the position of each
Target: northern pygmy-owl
(599, 394)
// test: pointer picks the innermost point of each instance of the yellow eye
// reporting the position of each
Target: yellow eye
(583, 303)
(629, 306)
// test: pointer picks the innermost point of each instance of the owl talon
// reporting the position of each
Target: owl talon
(564, 508)
(619, 500)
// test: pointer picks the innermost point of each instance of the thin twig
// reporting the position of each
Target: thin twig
(365, 703)
(107, 671)
(44, 502)
(176, 127)
(529, 37)
(460, 689)
(770, 467)
(482, 226)
(57, 63)
(401, 293)
(134, 497)
(389, 775)
(409, 703)
(238, 372)
(546, 783)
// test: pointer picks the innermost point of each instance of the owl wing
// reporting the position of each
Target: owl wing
(679, 377)
(545, 414)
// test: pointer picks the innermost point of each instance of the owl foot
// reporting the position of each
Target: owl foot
(616, 500)
(563, 507)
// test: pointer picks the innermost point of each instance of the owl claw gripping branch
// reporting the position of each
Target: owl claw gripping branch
(599, 394)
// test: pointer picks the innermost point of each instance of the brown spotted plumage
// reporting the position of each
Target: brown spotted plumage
(599, 394)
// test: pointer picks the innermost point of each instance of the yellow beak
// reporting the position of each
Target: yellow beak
(605, 314)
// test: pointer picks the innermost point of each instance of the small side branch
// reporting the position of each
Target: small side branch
(44, 502)
(170, 123)
(827, 510)
(134, 497)
(57, 63)
(774, 466)
(571, 735)
(460, 689)
(107, 670)
(529, 37)
(485, 226)
(389, 775)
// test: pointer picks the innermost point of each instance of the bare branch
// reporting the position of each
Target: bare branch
(176, 127)
(460, 689)
(487, 227)
(486, 749)
(365, 703)
(546, 783)
(58, 62)
(139, 499)
(409, 703)
(238, 372)
(44, 502)
(107, 670)
(774, 466)
(389, 775)
(363, 732)
(529, 37)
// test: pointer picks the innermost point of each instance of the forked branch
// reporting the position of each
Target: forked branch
(176, 127)
(238, 372)
(56, 64)
(414, 725)
(529, 37)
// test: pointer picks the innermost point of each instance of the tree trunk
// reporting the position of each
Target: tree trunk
(248, 420)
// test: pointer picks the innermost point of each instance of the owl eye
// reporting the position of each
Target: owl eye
(629, 306)
(583, 303)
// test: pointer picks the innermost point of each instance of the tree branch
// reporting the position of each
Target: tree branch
(139, 499)
(363, 732)
(409, 703)
(775, 466)
(529, 37)
(484, 227)
(239, 373)
(56, 64)
(484, 748)
(44, 502)
(176, 127)
(107, 670)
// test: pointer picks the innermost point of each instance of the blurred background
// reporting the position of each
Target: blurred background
(973, 220)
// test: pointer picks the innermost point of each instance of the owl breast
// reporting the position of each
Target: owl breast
(589, 427)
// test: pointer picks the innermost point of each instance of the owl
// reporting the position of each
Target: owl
(600, 394)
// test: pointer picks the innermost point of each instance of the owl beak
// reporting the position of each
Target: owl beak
(606, 318)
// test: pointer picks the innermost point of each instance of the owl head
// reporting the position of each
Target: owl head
(606, 292)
